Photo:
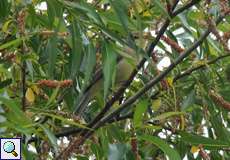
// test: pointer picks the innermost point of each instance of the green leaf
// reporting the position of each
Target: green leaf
(117, 151)
(52, 97)
(97, 150)
(221, 131)
(193, 139)
(213, 47)
(184, 21)
(6, 25)
(116, 133)
(109, 67)
(156, 104)
(86, 9)
(4, 8)
(82, 158)
(166, 115)
(189, 100)
(51, 12)
(76, 52)
(50, 136)
(170, 152)
(113, 35)
(111, 21)
(224, 27)
(26, 154)
(104, 138)
(151, 127)
(121, 11)
(90, 62)
(14, 43)
(5, 83)
(17, 125)
(195, 15)
(138, 113)
(161, 7)
(52, 52)
(54, 11)
(15, 110)
(64, 120)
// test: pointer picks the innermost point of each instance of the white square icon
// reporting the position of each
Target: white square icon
(10, 148)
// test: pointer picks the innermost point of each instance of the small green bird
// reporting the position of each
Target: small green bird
(124, 68)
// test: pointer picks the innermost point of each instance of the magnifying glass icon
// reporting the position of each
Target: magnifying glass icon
(9, 147)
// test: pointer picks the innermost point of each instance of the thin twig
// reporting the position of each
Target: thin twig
(71, 131)
(190, 71)
(185, 7)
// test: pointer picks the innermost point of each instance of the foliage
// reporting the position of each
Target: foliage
(53, 58)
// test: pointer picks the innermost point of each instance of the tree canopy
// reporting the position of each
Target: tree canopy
(116, 79)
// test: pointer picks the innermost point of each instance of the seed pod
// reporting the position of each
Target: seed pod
(55, 84)
(172, 43)
(219, 100)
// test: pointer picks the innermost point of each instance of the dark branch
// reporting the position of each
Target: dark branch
(71, 131)
(185, 7)
(189, 71)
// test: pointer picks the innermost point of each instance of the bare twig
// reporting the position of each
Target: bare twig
(191, 70)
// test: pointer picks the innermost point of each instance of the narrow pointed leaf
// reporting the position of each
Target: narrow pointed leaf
(170, 152)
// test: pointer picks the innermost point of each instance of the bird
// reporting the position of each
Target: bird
(125, 65)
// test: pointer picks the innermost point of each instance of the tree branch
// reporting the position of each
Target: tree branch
(190, 71)
(71, 131)
(185, 7)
